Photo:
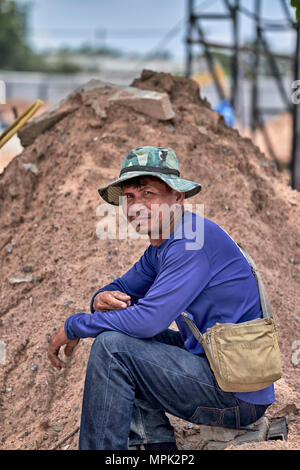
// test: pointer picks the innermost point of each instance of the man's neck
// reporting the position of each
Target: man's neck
(169, 230)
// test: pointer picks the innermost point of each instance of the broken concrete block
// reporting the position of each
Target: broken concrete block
(278, 429)
(18, 278)
(93, 84)
(35, 127)
(31, 167)
(215, 445)
(148, 102)
(255, 432)
(217, 438)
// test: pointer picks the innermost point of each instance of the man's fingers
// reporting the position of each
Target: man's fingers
(71, 346)
(119, 299)
(56, 341)
(120, 295)
(111, 300)
(115, 304)
(53, 354)
(54, 359)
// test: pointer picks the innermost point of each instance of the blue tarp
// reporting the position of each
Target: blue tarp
(225, 108)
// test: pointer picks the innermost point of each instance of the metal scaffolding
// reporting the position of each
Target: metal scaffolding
(259, 48)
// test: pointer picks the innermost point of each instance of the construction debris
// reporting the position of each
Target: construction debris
(278, 429)
(20, 278)
(151, 103)
(217, 438)
(48, 119)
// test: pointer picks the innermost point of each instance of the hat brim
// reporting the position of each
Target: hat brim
(112, 192)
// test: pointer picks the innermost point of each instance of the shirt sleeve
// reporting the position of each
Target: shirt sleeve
(135, 282)
(182, 277)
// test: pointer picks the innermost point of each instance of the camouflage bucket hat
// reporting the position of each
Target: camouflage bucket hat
(145, 161)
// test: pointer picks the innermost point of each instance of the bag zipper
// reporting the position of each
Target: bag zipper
(268, 321)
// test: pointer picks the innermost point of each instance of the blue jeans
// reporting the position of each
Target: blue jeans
(130, 384)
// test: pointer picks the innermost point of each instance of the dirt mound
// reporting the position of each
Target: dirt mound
(279, 131)
(48, 202)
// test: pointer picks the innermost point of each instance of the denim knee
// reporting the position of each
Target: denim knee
(108, 340)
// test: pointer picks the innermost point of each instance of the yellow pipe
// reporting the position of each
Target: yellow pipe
(19, 122)
(206, 78)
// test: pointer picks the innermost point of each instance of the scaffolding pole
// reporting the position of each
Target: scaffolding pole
(260, 48)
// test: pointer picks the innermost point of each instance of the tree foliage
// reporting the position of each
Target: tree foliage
(14, 51)
(296, 4)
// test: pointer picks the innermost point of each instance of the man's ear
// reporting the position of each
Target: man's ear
(179, 196)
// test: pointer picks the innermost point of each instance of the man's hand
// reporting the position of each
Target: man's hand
(58, 339)
(110, 300)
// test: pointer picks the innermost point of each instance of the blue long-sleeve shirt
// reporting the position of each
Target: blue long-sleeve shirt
(210, 281)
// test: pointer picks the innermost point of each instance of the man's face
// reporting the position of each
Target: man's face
(147, 205)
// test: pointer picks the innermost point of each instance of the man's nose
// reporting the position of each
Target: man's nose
(138, 209)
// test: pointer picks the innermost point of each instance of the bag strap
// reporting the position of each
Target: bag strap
(265, 304)
(194, 329)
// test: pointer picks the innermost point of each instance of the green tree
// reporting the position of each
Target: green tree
(14, 51)
(296, 4)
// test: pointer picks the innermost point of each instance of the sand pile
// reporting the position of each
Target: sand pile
(52, 260)
(279, 131)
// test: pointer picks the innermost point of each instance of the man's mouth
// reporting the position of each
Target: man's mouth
(140, 219)
(140, 223)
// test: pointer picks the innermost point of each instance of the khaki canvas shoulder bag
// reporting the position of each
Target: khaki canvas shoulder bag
(244, 357)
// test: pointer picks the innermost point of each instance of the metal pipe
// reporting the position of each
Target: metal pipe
(255, 90)
(210, 63)
(275, 71)
(189, 56)
(235, 60)
(211, 16)
(249, 49)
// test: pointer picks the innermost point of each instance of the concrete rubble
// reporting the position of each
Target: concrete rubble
(20, 278)
(217, 438)
(35, 127)
(151, 103)
(148, 102)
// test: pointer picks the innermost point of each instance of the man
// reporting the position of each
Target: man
(139, 369)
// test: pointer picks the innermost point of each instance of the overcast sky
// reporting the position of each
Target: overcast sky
(137, 25)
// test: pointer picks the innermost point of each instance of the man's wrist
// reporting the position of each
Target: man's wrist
(68, 328)
(92, 310)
